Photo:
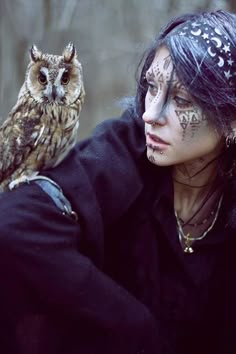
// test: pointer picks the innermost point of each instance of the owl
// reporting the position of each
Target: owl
(43, 125)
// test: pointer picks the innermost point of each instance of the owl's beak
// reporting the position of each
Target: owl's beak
(54, 92)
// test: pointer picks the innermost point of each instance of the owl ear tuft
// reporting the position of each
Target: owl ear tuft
(69, 53)
(35, 54)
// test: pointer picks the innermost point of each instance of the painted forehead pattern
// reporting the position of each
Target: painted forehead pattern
(217, 44)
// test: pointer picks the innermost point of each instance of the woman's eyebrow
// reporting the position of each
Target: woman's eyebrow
(178, 85)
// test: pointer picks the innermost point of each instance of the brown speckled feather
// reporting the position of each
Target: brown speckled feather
(43, 126)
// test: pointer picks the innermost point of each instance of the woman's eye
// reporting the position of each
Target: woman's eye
(65, 78)
(152, 89)
(182, 102)
(42, 79)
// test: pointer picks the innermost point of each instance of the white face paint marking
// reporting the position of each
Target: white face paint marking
(177, 130)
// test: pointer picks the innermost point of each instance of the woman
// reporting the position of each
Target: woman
(148, 267)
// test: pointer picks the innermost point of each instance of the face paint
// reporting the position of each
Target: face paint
(167, 62)
(151, 159)
(177, 130)
(190, 120)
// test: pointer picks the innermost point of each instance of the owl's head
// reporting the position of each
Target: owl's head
(55, 79)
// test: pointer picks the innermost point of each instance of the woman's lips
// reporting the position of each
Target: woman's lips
(154, 139)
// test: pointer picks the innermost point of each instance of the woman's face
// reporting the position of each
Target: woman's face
(177, 130)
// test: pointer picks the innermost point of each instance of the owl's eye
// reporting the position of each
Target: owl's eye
(42, 79)
(65, 78)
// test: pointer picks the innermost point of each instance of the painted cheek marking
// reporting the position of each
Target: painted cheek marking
(190, 119)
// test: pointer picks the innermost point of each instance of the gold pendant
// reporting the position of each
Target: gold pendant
(188, 249)
(187, 243)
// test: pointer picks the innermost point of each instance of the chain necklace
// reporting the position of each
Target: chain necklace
(187, 239)
(204, 221)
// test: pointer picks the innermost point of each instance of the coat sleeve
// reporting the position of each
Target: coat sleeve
(41, 263)
(109, 159)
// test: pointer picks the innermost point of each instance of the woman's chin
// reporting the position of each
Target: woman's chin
(157, 158)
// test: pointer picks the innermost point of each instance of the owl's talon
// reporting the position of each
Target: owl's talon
(16, 182)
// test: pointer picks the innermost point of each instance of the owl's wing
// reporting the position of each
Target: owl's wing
(19, 136)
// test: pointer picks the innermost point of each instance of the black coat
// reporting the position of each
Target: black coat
(117, 280)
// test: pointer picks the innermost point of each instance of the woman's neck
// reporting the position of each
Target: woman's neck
(194, 186)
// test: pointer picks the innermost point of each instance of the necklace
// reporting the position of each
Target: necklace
(187, 239)
(204, 221)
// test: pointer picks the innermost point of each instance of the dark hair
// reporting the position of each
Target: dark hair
(198, 71)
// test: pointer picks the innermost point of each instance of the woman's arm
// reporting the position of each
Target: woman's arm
(39, 257)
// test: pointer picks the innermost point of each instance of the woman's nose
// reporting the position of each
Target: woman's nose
(154, 113)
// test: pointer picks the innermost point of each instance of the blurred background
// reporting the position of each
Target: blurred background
(110, 37)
